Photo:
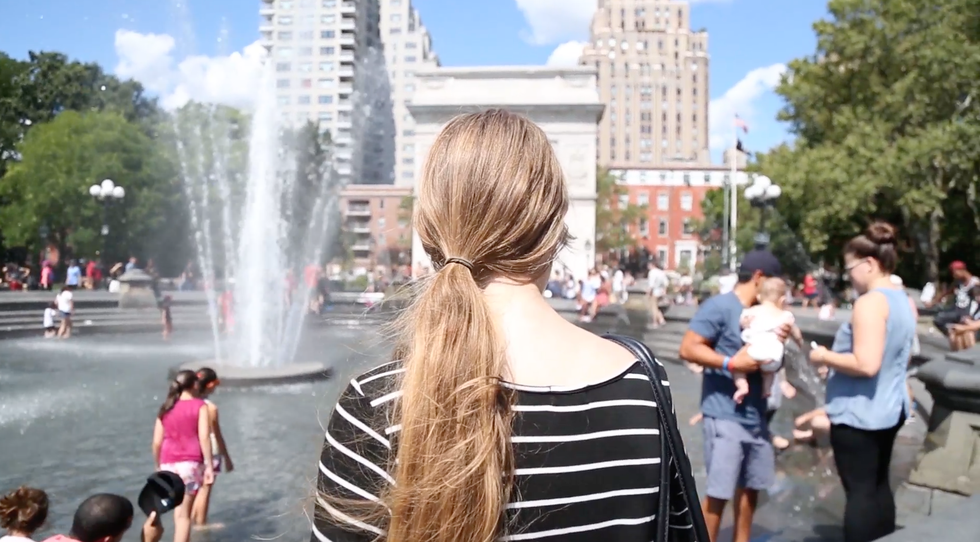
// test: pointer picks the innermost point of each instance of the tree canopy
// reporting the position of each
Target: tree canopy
(886, 119)
(61, 159)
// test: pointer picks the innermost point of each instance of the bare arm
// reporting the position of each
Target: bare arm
(697, 349)
(157, 442)
(797, 336)
(868, 323)
(204, 435)
(216, 429)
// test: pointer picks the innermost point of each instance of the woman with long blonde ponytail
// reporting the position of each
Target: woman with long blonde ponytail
(498, 419)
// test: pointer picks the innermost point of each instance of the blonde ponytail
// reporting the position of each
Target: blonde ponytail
(454, 445)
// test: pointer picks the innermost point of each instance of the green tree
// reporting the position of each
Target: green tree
(36, 91)
(614, 214)
(886, 115)
(60, 159)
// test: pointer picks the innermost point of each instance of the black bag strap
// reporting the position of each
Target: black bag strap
(671, 444)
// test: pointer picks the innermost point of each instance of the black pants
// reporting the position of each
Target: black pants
(863, 459)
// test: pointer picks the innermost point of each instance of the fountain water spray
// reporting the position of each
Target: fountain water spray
(257, 221)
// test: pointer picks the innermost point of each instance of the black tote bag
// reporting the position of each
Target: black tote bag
(689, 520)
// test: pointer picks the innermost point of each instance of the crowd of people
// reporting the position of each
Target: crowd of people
(188, 450)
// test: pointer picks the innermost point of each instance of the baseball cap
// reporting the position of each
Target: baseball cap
(761, 261)
(163, 492)
(957, 266)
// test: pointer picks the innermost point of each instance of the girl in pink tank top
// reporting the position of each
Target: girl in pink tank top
(182, 445)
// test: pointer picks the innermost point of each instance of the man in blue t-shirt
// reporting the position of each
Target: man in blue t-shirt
(737, 451)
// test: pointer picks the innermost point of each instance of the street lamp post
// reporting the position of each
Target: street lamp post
(106, 192)
(762, 194)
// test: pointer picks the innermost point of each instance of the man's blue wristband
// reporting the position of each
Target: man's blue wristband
(724, 364)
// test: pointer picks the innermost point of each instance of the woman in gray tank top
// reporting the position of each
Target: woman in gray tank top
(867, 401)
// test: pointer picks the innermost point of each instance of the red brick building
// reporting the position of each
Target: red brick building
(672, 196)
(380, 229)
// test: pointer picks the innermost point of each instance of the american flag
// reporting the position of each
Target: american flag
(739, 123)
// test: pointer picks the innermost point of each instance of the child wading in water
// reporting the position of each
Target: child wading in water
(207, 382)
(50, 314)
(182, 445)
(22, 511)
(759, 325)
(168, 322)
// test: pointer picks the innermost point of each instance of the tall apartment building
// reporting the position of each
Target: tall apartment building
(408, 47)
(653, 78)
(329, 68)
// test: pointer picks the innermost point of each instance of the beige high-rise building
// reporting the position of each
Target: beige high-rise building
(653, 78)
(329, 69)
(408, 47)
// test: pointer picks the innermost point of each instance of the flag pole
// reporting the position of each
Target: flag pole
(733, 199)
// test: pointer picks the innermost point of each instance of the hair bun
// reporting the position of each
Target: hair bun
(881, 233)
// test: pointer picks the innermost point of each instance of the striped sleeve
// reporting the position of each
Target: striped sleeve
(352, 470)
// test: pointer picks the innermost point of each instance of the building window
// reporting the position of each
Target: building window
(410, 59)
(409, 88)
(327, 51)
(407, 174)
(303, 100)
(283, 100)
(328, 19)
(326, 116)
(662, 256)
(325, 83)
(285, 20)
(329, 3)
(286, 52)
(326, 66)
(687, 201)
(325, 99)
(408, 147)
(662, 227)
(282, 83)
(408, 133)
(305, 51)
(643, 198)
(687, 179)
(306, 67)
(395, 30)
(662, 202)
(327, 34)
(285, 36)
(688, 226)
(306, 83)
(282, 66)
(396, 18)
(644, 228)
(285, 4)
(624, 201)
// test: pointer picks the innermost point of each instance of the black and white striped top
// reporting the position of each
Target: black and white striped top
(587, 460)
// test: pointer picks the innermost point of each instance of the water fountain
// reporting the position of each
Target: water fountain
(258, 226)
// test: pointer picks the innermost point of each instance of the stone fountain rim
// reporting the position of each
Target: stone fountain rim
(243, 377)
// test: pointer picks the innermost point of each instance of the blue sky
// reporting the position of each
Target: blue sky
(748, 39)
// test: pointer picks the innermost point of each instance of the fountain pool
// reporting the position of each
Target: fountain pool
(76, 418)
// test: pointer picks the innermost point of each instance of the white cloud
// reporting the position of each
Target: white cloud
(552, 21)
(740, 100)
(566, 54)
(149, 58)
